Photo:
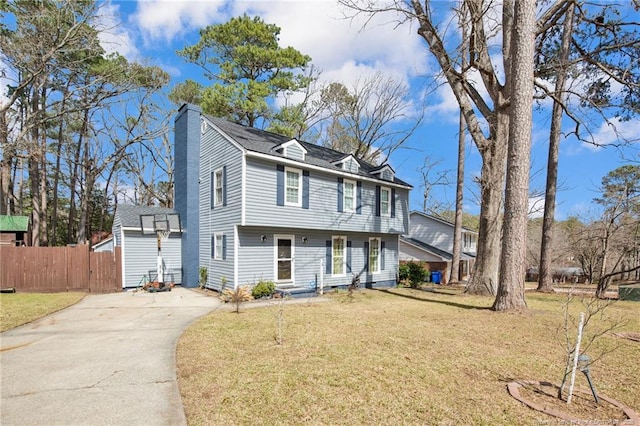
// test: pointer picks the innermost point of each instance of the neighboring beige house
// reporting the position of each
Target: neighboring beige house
(430, 240)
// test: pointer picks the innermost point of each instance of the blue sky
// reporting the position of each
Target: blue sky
(151, 32)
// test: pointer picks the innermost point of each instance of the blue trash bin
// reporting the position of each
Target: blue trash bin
(436, 277)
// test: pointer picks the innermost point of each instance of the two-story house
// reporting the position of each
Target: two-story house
(430, 240)
(256, 205)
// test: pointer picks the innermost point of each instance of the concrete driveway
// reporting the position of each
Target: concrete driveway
(109, 359)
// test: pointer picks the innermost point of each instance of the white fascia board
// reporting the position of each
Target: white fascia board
(298, 164)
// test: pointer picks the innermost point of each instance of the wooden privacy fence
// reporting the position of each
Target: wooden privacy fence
(59, 269)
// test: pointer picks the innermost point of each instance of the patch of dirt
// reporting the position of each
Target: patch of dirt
(543, 396)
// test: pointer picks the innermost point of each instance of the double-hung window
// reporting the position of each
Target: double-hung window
(293, 187)
(338, 257)
(218, 249)
(374, 255)
(385, 201)
(218, 187)
(349, 192)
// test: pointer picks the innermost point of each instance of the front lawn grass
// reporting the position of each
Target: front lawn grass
(399, 356)
(20, 308)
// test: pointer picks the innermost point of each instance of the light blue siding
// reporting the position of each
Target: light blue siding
(262, 208)
(258, 258)
(294, 152)
(432, 232)
(216, 153)
(140, 254)
(351, 166)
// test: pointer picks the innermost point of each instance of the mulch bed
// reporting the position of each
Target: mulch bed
(543, 397)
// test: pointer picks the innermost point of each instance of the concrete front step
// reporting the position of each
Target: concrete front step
(296, 292)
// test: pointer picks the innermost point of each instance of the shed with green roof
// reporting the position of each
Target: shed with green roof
(13, 229)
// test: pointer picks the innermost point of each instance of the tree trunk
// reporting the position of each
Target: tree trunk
(457, 223)
(44, 195)
(512, 266)
(484, 279)
(56, 174)
(74, 176)
(34, 172)
(6, 187)
(545, 272)
(86, 194)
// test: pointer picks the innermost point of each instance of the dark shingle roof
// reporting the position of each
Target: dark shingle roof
(435, 250)
(264, 142)
(130, 215)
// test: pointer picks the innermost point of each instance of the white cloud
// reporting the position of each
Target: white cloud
(341, 48)
(114, 37)
(615, 132)
(166, 19)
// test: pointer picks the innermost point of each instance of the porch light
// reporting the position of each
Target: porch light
(263, 238)
(304, 240)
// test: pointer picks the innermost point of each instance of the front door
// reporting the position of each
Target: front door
(284, 258)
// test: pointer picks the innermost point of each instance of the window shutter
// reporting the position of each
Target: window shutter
(340, 194)
(359, 197)
(393, 202)
(327, 260)
(305, 189)
(382, 255)
(280, 184)
(224, 185)
(213, 189)
(224, 247)
(377, 200)
(213, 246)
(349, 244)
(366, 256)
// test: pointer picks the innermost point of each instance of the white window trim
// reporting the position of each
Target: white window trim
(277, 237)
(388, 190)
(299, 172)
(217, 254)
(371, 239)
(217, 203)
(344, 254)
(344, 195)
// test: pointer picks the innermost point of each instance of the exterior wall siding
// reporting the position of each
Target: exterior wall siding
(432, 232)
(142, 255)
(258, 258)
(295, 152)
(262, 208)
(411, 253)
(217, 153)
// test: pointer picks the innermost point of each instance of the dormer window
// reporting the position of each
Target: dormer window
(385, 173)
(348, 163)
(292, 149)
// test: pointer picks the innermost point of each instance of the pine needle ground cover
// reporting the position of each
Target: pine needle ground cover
(399, 356)
(20, 308)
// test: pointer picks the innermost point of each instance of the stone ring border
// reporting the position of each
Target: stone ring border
(514, 391)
